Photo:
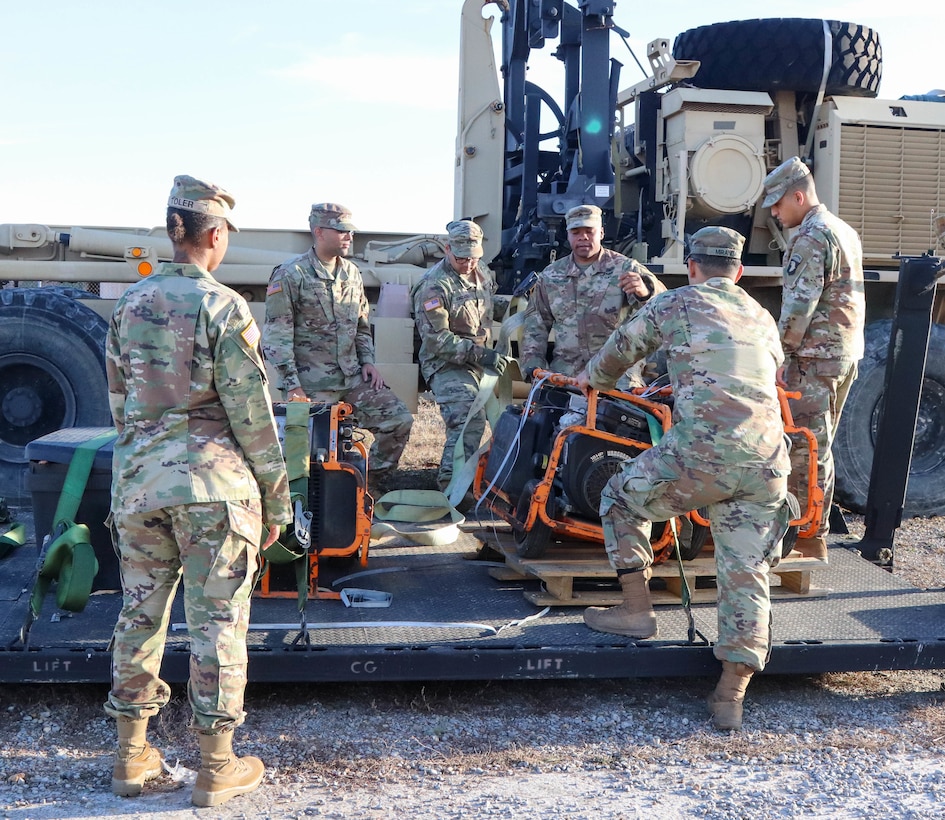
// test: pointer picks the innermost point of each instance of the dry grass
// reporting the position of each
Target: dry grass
(426, 437)
(421, 458)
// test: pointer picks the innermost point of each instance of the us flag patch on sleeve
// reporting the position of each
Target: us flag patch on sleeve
(251, 333)
(274, 287)
(432, 304)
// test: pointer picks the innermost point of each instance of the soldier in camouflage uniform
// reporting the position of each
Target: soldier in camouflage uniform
(452, 305)
(197, 475)
(582, 297)
(725, 451)
(317, 336)
(823, 309)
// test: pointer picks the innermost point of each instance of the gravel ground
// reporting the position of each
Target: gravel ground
(862, 745)
(832, 746)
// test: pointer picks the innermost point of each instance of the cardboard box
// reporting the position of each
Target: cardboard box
(404, 380)
(393, 339)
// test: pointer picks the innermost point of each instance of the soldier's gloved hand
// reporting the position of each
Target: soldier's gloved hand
(494, 361)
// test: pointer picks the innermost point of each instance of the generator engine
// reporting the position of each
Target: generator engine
(522, 447)
(550, 460)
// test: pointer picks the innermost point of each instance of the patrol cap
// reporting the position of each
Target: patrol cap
(192, 194)
(782, 178)
(583, 216)
(331, 215)
(465, 239)
(717, 241)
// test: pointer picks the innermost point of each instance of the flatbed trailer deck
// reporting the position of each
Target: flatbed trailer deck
(450, 619)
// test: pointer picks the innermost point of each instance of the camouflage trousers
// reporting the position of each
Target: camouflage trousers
(381, 412)
(455, 390)
(749, 516)
(824, 385)
(215, 548)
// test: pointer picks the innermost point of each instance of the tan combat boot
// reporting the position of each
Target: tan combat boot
(222, 774)
(726, 702)
(635, 617)
(137, 760)
(815, 547)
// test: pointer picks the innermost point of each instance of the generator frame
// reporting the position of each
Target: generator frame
(337, 478)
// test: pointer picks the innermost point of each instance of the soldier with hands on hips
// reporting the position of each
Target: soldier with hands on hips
(317, 336)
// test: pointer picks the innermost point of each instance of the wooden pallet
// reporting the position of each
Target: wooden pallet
(567, 561)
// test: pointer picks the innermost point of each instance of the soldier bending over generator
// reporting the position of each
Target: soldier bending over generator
(726, 451)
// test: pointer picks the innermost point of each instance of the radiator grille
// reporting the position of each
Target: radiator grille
(890, 181)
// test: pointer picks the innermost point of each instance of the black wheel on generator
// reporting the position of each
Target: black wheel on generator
(854, 444)
(52, 374)
(533, 543)
(789, 540)
(784, 54)
(692, 537)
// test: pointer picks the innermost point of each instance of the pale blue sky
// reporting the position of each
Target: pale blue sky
(294, 101)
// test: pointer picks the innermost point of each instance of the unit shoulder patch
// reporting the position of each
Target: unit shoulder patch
(793, 264)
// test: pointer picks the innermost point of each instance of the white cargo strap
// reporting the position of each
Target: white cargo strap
(370, 598)
(417, 507)
(427, 506)
(487, 629)
(484, 628)
(464, 470)
(828, 62)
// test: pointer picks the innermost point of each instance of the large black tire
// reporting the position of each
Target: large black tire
(856, 437)
(532, 543)
(52, 374)
(783, 54)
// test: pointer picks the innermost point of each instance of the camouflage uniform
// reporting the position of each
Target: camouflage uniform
(583, 306)
(317, 336)
(454, 316)
(197, 471)
(823, 309)
(725, 450)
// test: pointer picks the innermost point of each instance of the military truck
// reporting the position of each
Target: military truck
(690, 146)
(59, 285)
(687, 147)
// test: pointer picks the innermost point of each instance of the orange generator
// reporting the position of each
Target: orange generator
(328, 482)
(551, 457)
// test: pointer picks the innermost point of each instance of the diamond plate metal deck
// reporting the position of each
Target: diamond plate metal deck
(449, 619)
